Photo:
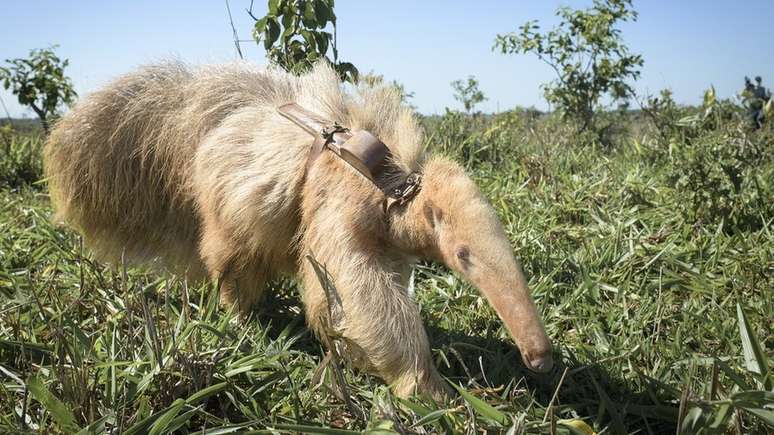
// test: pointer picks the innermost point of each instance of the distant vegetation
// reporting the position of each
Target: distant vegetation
(648, 243)
(376, 80)
(468, 93)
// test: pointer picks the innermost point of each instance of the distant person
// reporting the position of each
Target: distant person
(755, 98)
(761, 92)
(748, 86)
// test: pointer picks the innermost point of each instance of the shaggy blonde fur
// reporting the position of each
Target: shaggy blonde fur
(196, 169)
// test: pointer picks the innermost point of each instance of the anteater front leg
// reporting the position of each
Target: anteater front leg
(242, 276)
(377, 319)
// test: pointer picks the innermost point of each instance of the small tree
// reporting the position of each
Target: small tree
(294, 36)
(39, 82)
(372, 79)
(587, 54)
(467, 93)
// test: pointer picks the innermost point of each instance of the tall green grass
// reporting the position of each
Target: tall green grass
(660, 313)
(21, 163)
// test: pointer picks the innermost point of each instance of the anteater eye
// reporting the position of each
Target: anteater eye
(463, 253)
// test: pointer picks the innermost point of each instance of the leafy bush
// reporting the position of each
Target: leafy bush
(489, 141)
(664, 115)
(21, 162)
(719, 174)
(715, 164)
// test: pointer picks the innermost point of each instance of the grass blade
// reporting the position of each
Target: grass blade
(58, 410)
(754, 358)
(300, 428)
(483, 408)
(160, 426)
(577, 427)
(206, 392)
(431, 417)
(766, 415)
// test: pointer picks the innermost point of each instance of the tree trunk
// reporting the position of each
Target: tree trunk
(42, 115)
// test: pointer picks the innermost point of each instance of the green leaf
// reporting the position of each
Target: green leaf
(142, 425)
(577, 427)
(483, 408)
(310, 15)
(160, 426)
(58, 410)
(693, 419)
(383, 427)
(289, 23)
(612, 410)
(734, 375)
(36, 350)
(324, 13)
(709, 96)
(414, 407)
(206, 392)
(323, 39)
(288, 33)
(227, 429)
(308, 38)
(755, 359)
(259, 28)
(180, 420)
(753, 398)
(722, 414)
(272, 32)
(300, 428)
(97, 427)
(348, 72)
(431, 417)
(274, 7)
(766, 415)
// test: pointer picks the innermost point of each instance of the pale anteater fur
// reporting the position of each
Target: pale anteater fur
(196, 169)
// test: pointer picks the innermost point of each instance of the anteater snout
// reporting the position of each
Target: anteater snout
(539, 359)
(541, 364)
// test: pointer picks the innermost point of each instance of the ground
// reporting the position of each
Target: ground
(649, 251)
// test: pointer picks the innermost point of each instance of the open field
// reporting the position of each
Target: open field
(643, 252)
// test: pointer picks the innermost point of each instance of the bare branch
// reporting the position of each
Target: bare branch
(233, 29)
(250, 11)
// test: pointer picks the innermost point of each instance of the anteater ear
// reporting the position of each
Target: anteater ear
(432, 213)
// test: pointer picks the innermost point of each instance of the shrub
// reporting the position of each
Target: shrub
(21, 162)
(715, 165)
(482, 141)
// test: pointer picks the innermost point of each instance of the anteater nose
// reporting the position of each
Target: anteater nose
(542, 364)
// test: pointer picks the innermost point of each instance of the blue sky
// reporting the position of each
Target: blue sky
(687, 45)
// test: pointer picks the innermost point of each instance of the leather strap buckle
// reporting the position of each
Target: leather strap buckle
(361, 150)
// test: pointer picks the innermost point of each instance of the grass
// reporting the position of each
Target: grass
(661, 320)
